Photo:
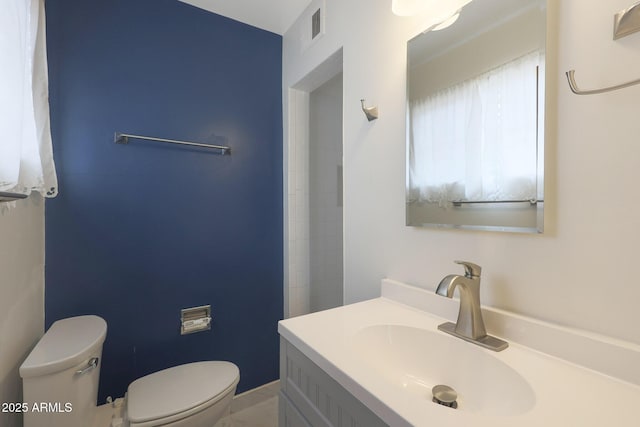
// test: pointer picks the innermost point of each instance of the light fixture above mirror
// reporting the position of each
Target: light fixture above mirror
(447, 22)
(441, 13)
(410, 7)
(445, 9)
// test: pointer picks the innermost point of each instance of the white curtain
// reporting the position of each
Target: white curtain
(477, 140)
(26, 155)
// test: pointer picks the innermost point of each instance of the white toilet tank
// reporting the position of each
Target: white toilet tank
(60, 376)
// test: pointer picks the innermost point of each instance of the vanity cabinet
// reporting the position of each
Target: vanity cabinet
(309, 397)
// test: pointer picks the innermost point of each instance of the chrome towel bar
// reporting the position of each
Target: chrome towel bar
(458, 203)
(11, 197)
(123, 138)
(625, 22)
(574, 87)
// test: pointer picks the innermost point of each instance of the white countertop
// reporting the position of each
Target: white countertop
(565, 393)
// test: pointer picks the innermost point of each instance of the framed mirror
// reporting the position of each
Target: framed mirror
(475, 119)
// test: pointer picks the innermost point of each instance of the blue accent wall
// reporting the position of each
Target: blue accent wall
(140, 231)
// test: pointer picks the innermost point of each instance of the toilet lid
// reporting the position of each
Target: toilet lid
(68, 343)
(179, 389)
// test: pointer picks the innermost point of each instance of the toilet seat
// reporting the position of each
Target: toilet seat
(178, 392)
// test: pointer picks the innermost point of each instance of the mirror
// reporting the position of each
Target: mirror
(475, 119)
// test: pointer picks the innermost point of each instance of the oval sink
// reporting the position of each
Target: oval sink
(417, 359)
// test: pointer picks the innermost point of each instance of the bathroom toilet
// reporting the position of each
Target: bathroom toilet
(60, 383)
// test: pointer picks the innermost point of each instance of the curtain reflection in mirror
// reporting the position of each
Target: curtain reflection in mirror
(477, 140)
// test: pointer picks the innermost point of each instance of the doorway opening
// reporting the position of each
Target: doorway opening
(314, 217)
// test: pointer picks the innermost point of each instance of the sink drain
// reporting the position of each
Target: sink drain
(445, 396)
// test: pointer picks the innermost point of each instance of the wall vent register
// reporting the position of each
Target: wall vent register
(315, 24)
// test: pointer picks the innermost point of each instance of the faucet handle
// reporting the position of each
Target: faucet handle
(470, 269)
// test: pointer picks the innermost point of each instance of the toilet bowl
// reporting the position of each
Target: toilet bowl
(60, 384)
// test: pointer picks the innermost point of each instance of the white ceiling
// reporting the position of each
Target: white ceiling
(271, 15)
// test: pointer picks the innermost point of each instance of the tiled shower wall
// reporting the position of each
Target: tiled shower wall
(298, 205)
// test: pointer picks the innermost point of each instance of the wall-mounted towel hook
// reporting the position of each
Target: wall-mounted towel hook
(574, 87)
(370, 112)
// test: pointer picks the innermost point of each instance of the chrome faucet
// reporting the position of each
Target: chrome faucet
(469, 326)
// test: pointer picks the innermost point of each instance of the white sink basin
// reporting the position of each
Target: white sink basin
(388, 353)
(415, 360)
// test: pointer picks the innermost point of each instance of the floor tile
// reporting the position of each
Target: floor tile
(263, 414)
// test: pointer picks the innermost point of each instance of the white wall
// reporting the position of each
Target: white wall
(580, 272)
(21, 295)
